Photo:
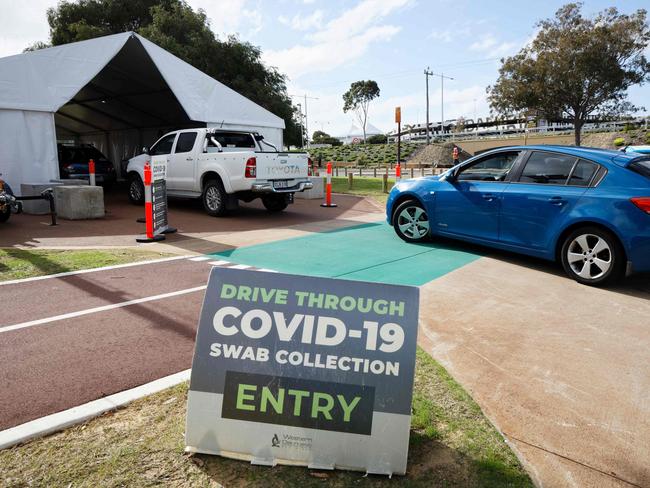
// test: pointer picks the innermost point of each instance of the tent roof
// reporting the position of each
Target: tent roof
(47, 79)
(355, 131)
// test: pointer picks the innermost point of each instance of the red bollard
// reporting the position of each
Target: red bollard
(398, 171)
(91, 172)
(328, 188)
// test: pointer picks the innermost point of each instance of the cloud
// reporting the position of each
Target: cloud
(303, 23)
(22, 24)
(341, 40)
(489, 44)
(231, 16)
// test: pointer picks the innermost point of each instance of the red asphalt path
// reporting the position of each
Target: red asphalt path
(57, 365)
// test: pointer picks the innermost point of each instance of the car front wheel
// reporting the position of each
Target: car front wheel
(136, 190)
(593, 256)
(5, 214)
(411, 222)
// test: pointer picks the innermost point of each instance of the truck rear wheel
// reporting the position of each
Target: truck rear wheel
(275, 203)
(214, 198)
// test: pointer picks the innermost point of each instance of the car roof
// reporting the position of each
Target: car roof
(596, 154)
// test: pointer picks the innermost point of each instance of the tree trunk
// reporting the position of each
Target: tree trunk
(577, 130)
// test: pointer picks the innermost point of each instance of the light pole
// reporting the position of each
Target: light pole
(427, 73)
(305, 97)
(302, 127)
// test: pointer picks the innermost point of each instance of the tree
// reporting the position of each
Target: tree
(377, 139)
(575, 67)
(176, 27)
(320, 137)
(358, 99)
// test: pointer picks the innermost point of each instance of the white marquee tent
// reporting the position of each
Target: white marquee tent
(355, 134)
(119, 92)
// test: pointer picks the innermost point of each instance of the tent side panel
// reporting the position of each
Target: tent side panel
(28, 151)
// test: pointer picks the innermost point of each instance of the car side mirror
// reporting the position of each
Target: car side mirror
(452, 176)
(145, 150)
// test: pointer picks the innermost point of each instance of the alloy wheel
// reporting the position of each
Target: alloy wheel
(589, 256)
(213, 198)
(135, 190)
(413, 222)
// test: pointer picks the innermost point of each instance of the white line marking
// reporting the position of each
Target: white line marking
(240, 266)
(88, 311)
(61, 420)
(92, 270)
(200, 258)
(266, 270)
(218, 263)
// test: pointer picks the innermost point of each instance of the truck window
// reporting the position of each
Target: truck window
(234, 140)
(163, 146)
(185, 142)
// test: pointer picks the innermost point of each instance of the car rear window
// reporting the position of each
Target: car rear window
(234, 139)
(642, 167)
(79, 155)
(547, 168)
(583, 173)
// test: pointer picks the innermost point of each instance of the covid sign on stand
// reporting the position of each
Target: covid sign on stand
(303, 370)
(155, 200)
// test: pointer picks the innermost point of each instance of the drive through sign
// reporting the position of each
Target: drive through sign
(302, 370)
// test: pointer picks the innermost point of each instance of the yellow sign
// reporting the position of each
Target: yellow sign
(398, 115)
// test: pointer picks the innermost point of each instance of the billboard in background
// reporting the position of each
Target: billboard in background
(303, 370)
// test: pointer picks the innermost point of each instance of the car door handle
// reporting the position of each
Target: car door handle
(189, 159)
(488, 196)
(559, 201)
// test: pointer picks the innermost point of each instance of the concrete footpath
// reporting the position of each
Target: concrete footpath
(563, 370)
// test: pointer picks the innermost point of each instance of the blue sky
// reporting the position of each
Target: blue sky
(324, 45)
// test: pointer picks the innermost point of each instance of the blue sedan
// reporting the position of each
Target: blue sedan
(584, 207)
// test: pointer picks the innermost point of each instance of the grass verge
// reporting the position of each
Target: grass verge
(25, 263)
(451, 444)
(362, 186)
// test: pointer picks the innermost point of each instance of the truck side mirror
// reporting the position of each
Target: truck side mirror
(145, 150)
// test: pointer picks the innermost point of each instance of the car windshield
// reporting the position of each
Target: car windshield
(80, 155)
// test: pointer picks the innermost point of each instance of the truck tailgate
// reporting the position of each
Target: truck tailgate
(281, 166)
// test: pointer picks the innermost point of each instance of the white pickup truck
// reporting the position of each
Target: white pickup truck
(222, 167)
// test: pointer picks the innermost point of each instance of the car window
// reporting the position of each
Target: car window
(547, 168)
(163, 146)
(79, 154)
(642, 167)
(583, 173)
(233, 139)
(491, 168)
(185, 142)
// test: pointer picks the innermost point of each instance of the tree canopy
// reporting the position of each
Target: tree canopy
(320, 137)
(575, 67)
(358, 99)
(176, 27)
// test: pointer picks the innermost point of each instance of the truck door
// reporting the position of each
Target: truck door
(182, 162)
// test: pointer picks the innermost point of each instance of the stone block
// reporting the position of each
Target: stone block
(79, 202)
(35, 207)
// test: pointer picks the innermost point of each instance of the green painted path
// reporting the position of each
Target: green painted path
(368, 252)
